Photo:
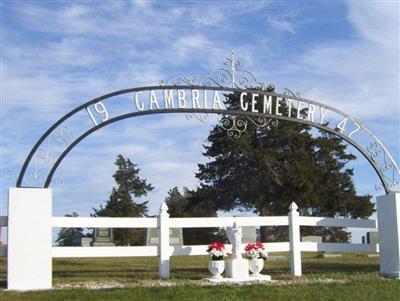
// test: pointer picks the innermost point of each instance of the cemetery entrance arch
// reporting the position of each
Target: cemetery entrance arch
(258, 107)
(199, 98)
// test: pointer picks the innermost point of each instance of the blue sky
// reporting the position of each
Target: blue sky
(58, 54)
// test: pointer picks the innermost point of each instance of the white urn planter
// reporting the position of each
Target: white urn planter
(256, 266)
(216, 268)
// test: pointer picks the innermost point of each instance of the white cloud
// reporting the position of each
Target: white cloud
(376, 21)
(282, 23)
(359, 76)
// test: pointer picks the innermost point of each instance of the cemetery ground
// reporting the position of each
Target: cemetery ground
(351, 277)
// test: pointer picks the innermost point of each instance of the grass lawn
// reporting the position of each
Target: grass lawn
(352, 277)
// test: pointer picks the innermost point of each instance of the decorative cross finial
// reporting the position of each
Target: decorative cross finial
(163, 209)
(233, 67)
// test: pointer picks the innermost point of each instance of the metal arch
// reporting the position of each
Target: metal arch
(187, 110)
(103, 97)
(230, 112)
(106, 96)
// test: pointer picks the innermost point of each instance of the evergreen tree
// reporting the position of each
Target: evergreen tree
(177, 203)
(70, 236)
(121, 203)
(270, 167)
(190, 205)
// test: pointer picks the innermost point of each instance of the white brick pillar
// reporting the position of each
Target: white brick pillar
(29, 258)
(163, 246)
(294, 237)
(388, 208)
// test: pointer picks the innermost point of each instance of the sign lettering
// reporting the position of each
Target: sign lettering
(100, 109)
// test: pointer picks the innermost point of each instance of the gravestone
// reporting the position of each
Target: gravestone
(76, 239)
(175, 237)
(249, 234)
(86, 241)
(372, 237)
(103, 237)
(318, 239)
(312, 238)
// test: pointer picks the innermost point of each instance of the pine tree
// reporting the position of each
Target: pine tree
(190, 205)
(121, 203)
(270, 167)
(69, 236)
(176, 202)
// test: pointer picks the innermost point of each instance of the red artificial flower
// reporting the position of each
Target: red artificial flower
(216, 245)
(249, 247)
(259, 245)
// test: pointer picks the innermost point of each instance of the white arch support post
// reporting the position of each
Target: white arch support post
(163, 247)
(388, 207)
(29, 259)
(294, 236)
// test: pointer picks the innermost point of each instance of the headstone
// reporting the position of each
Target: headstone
(249, 235)
(312, 238)
(103, 237)
(175, 237)
(372, 237)
(86, 241)
(76, 239)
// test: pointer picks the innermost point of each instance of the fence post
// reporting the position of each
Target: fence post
(294, 236)
(163, 246)
(29, 257)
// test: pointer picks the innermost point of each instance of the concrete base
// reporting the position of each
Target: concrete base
(261, 278)
(394, 275)
(237, 269)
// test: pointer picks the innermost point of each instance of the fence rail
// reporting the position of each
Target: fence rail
(163, 222)
(104, 222)
(208, 222)
(145, 251)
(336, 222)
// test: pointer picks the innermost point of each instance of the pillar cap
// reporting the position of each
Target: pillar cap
(293, 206)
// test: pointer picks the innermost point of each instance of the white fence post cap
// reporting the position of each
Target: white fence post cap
(164, 209)
(293, 207)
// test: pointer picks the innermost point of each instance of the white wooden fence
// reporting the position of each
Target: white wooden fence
(164, 223)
